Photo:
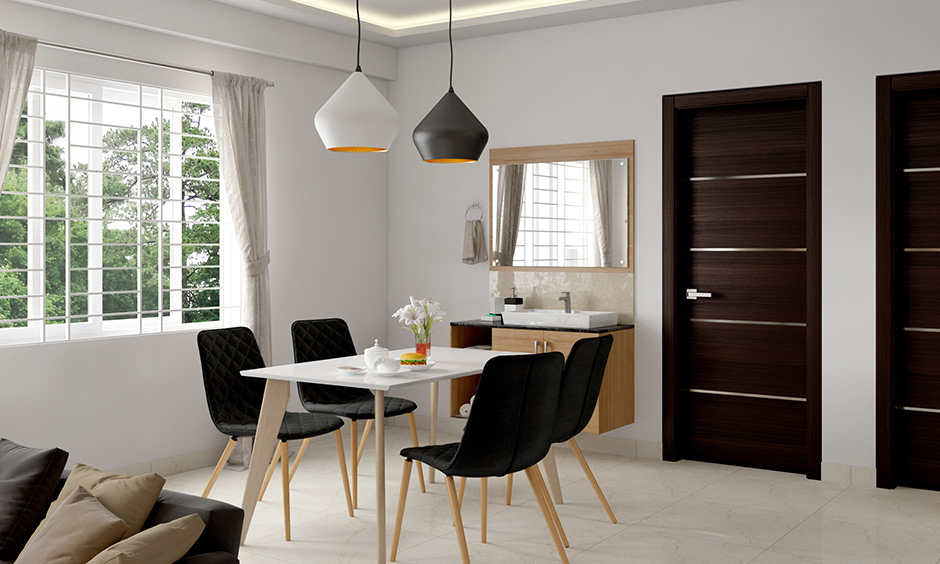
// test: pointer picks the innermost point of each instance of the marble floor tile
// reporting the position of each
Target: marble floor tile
(858, 544)
(643, 546)
(667, 512)
(723, 523)
(907, 510)
(769, 492)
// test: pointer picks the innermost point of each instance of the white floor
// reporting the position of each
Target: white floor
(685, 512)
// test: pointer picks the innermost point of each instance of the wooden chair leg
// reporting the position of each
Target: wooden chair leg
(226, 454)
(338, 437)
(414, 442)
(365, 436)
(590, 476)
(270, 473)
(354, 438)
(551, 508)
(285, 486)
(402, 494)
(463, 486)
(539, 497)
(458, 522)
(484, 491)
(509, 489)
(300, 454)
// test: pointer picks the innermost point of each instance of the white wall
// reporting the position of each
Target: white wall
(605, 80)
(122, 401)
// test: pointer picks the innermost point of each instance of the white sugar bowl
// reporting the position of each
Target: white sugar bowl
(374, 352)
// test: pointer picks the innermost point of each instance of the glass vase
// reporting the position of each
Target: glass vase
(423, 344)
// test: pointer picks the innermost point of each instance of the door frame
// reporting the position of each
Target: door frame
(812, 93)
(885, 87)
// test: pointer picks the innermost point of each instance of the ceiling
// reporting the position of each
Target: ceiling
(401, 23)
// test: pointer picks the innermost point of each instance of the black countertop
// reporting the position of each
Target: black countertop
(500, 324)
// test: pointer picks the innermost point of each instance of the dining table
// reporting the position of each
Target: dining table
(445, 363)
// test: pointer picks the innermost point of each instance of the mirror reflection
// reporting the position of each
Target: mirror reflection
(557, 207)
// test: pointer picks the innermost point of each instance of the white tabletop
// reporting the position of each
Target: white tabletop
(448, 363)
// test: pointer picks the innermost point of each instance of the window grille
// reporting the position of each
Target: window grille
(112, 217)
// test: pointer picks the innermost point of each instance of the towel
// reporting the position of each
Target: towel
(474, 243)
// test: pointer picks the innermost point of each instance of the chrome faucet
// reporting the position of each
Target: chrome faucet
(566, 297)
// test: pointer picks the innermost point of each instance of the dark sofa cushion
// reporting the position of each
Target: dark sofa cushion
(223, 525)
(28, 481)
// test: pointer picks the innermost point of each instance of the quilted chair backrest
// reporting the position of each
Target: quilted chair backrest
(581, 385)
(232, 398)
(510, 425)
(320, 339)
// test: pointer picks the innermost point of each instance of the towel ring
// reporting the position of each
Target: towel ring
(475, 206)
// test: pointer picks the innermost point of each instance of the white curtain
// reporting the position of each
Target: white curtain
(238, 103)
(508, 212)
(17, 55)
(601, 172)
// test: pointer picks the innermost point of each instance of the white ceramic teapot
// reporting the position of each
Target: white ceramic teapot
(374, 352)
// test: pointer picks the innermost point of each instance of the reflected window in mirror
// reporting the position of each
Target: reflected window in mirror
(562, 207)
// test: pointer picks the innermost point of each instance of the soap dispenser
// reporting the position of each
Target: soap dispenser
(512, 302)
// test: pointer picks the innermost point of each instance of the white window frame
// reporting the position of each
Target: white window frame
(41, 328)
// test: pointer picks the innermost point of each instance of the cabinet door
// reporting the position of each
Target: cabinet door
(563, 341)
(518, 340)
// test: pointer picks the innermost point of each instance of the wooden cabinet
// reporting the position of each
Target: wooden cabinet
(615, 405)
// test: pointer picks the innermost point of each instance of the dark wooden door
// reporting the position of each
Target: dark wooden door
(742, 277)
(908, 280)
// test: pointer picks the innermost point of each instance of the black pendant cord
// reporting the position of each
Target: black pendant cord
(450, 39)
(359, 38)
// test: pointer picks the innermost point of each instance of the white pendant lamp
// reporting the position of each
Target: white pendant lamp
(450, 133)
(357, 118)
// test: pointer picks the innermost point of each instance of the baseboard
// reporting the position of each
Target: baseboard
(174, 464)
(847, 475)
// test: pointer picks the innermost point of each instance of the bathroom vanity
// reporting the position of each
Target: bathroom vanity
(614, 405)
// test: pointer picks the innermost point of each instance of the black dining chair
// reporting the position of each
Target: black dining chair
(235, 404)
(319, 339)
(506, 432)
(580, 388)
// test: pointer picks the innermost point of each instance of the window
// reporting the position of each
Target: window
(112, 220)
(557, 222)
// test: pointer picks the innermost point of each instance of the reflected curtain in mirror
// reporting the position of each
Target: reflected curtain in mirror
(601, 173)
(511, 186)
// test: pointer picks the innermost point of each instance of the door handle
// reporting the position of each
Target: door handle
(693, 294)
(536, 346)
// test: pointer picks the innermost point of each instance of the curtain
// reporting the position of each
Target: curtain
(238, 103)
(508, 212)
(17, 55)
(601, 172)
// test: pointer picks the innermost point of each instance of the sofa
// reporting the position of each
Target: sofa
(22, 499)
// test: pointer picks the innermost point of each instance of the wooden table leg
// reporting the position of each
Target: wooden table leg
(433, 425)
(276, 394)
(551, 475)
(380, 472)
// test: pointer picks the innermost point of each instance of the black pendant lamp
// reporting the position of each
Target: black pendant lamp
(450, 133)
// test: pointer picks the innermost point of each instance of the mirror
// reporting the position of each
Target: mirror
(565, 207)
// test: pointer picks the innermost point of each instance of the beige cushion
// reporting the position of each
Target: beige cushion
(129, 497)
(161, 544)
(78, 530)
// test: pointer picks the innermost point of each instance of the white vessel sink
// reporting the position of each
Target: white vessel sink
(558, 318)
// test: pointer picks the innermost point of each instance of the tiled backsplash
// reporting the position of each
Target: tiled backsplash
(595, 291)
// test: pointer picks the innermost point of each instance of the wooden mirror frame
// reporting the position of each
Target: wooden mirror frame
(569, 152)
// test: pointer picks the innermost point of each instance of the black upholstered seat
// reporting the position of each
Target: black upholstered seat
(321, 339)
(506, 432)
(580, 388)
(235, 403)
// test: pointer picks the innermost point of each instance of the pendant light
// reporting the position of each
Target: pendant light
(357, 118)
(450, 133)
